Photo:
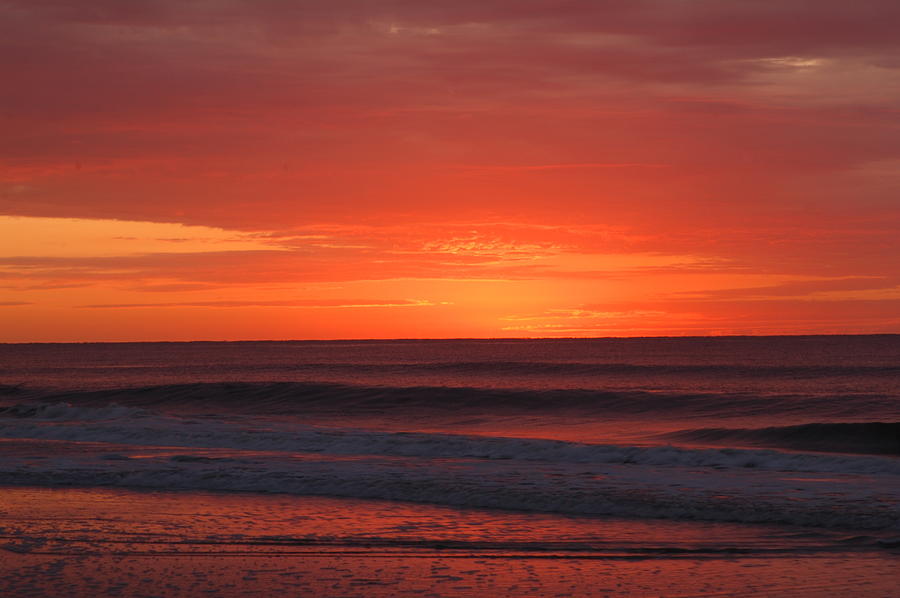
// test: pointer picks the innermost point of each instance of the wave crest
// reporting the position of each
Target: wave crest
(877, 438)
(66, 412)
(289, 398)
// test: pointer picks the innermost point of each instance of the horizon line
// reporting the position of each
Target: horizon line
(450, 339)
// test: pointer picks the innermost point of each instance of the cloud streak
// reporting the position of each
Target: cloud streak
(297, 303)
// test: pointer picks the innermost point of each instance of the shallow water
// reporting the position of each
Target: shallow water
(89, 542)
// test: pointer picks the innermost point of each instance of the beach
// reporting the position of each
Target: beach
(112, 542)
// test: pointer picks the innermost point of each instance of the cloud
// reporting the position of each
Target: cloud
(525, 168)
(297, 303)
(71, 237)
(735, 316)
(804, 289)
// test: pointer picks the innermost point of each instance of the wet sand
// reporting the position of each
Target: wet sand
(115, 542)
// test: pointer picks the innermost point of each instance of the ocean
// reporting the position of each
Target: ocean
(793, 442)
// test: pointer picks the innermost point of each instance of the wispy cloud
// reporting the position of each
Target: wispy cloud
(574, 166)
(297, 303)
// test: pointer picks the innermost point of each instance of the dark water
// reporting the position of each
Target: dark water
(764, 365)
(798, 430)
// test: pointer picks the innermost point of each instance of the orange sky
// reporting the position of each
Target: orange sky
(270, 169)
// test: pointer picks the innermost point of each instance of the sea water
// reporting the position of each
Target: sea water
(772, 431)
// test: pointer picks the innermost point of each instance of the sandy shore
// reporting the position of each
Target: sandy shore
(113, 542)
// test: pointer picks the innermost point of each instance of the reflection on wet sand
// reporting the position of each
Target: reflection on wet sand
(87, 542)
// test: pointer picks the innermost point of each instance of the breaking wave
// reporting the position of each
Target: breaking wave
(122, 425)
(122, 445)
(878, 438)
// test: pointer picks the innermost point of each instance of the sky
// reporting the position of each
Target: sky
(318, 169)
